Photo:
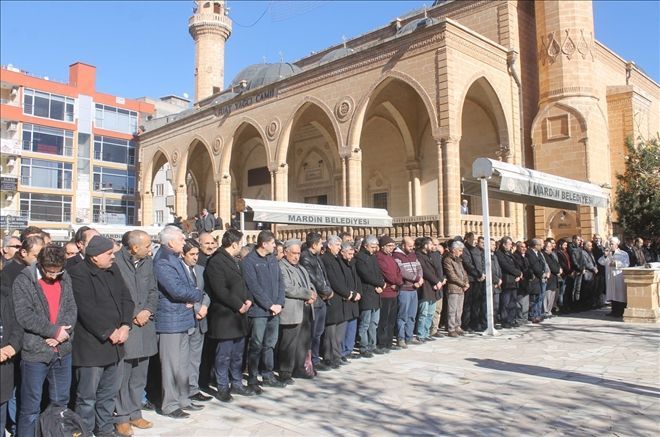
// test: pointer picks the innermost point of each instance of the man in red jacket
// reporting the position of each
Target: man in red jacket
(411, 271)
(388, 298)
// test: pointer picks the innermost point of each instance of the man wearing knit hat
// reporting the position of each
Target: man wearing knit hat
(105, 312)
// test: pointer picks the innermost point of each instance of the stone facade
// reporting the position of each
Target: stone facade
(398, 119)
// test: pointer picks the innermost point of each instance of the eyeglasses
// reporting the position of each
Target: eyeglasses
(52, 274)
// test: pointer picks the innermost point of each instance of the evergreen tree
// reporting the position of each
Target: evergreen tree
(638, 191)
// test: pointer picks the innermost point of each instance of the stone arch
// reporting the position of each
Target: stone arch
(202, 170)
(184, 157)
(357, 121)
(312, 128)
(395, 123)
(481, 110)
(285, 136)
(493, 100)
(159, 158)
(241, 124)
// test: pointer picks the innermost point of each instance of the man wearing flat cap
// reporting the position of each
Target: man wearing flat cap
(105, 313)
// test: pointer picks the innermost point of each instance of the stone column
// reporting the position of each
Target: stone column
(441, 189)
(344, 181)
(354, 173)
(147, 218)
(414, 188)
(181, 201)
(643, 294)
(279, 180)
(452, 186)
(224, 205)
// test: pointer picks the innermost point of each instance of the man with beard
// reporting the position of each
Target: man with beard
(388, 298)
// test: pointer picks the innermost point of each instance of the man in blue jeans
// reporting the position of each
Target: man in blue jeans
(411, 271)
(372, 282)
(265, 282)
(46, 310)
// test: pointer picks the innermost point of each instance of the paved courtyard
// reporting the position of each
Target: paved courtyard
(581, 375)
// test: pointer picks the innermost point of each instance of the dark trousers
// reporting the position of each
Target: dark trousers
(128, 404)
(229, 362)
(295, 341)
(496, 306)
(263, 338)
(389, 307)
(508, 305)
(320, 310)
(154, 387)
(332, 341)
(472, 316)
(95, 397)
(33, 375)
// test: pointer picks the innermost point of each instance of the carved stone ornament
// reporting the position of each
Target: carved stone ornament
(574, 40)
(217, 146)
(273, 129)
(175, 158)
(344, 108)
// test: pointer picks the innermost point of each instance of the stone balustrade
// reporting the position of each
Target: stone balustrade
(499, 226)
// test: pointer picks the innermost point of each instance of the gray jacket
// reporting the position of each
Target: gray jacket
(32, 314)
(141, 283)
(298, 288)
(206, 301)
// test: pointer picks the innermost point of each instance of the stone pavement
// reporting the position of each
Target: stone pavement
(579, 375)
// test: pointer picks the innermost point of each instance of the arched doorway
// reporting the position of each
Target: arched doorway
(162, 191)
(248, 167)
(314, 174)
(399, 155)
(484, 134)
(200, 186)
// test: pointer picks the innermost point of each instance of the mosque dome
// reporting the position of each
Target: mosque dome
(416, 24)
(263, 74)
(336, 54)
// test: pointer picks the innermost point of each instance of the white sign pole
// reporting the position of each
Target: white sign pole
(489, 268)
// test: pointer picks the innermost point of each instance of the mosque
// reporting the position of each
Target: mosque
(395, 118)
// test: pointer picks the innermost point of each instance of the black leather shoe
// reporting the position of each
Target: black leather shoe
(193, 407)
(302, 375)
(378, 351)
(285, 378)
(255, 388)
(367, 354)
(355, 356)
(344, 360)
(177, 414)
(394, 347)
(199, 397)
(429, 339)
(272, 382)
(321, 367)
(241, 390)
(224, 396)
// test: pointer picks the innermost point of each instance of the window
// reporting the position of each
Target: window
(49, 140)
(46, 174)
(117, 119)
(46, 207)
(160, 189)
(47, 105)
(114, 150)
(258, 176)
(159, 217)
(380, 200)
(114, 181)
(113, 211)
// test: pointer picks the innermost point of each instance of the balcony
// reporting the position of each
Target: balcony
(413, 226)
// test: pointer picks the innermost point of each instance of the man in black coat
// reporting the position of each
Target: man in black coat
(336, 261)
(310, 259)
(577, 258)
(537, 278)
(82, 237)
(372, 285)
(511, 276)
(522, 262)
(473, 262)
(227, 317)
(105, 313)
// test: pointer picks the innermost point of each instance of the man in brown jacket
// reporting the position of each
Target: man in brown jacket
(457, 284)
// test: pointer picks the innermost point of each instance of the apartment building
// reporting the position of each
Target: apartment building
(68, 151)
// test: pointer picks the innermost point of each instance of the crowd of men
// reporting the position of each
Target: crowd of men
(116, 328)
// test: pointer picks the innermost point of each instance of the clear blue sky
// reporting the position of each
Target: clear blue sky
(143, 48)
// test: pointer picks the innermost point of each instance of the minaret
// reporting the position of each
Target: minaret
(569, 134)
(210, 27)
